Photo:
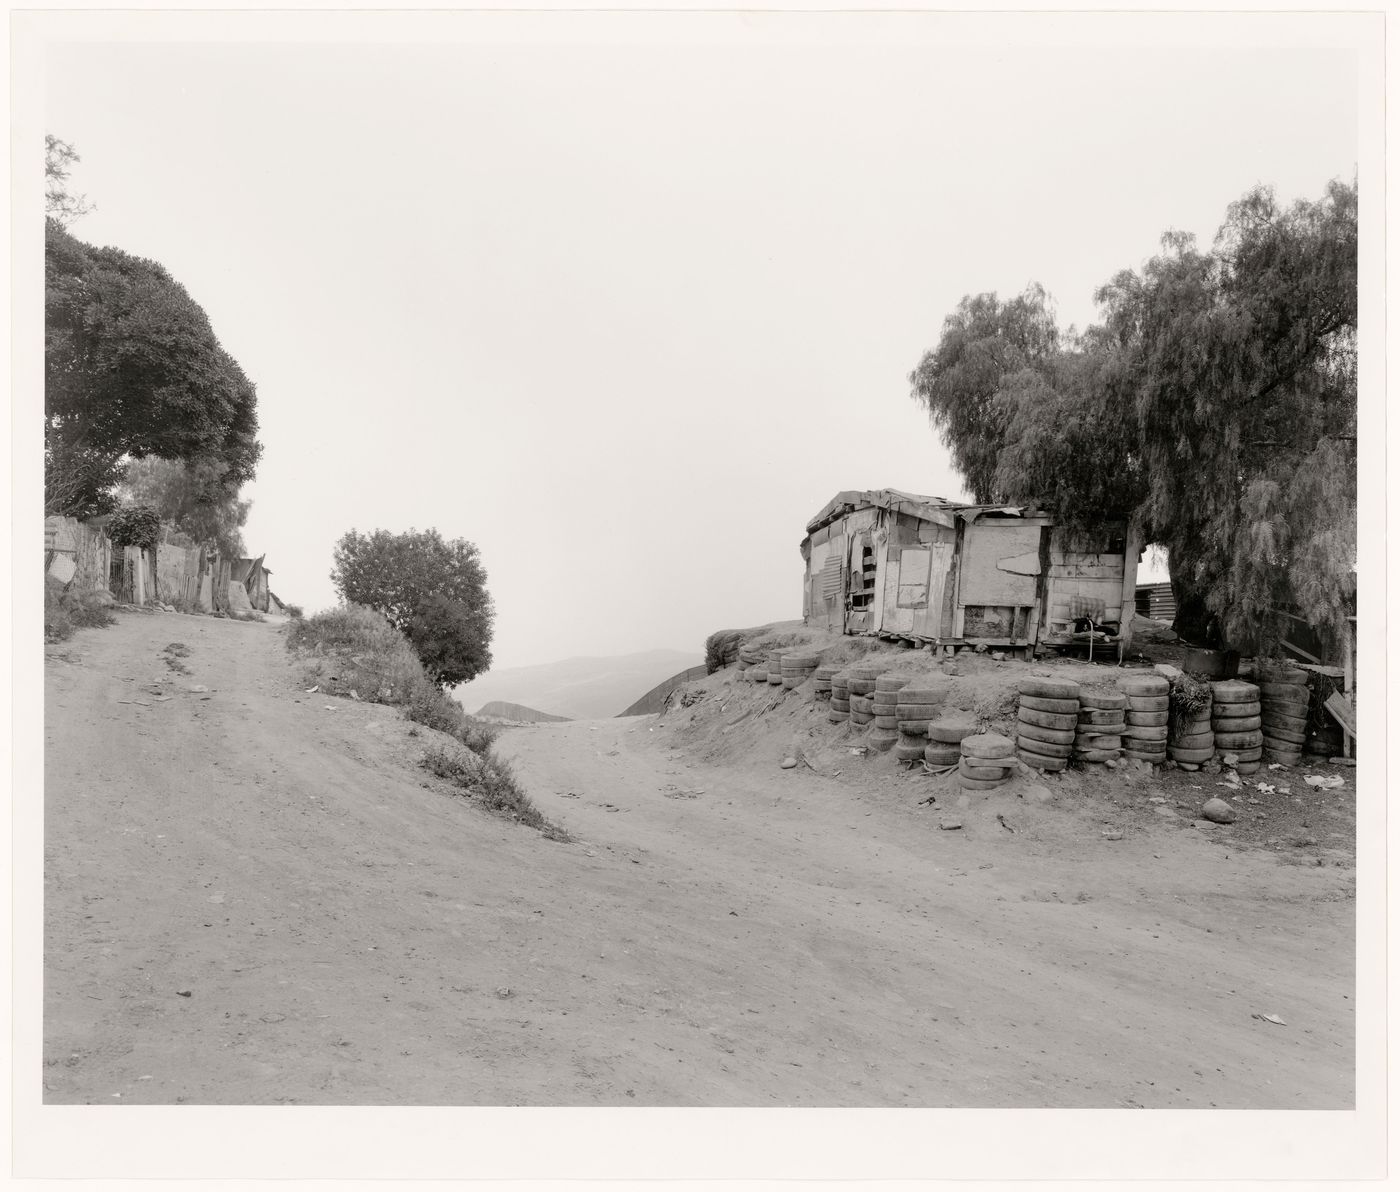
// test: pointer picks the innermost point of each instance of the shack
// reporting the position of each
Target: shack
(928, 571)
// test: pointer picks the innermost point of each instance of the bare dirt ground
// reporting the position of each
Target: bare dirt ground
(252, 898)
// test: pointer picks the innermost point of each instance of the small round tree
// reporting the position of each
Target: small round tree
(431, 590)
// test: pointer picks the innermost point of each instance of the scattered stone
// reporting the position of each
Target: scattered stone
(1230, 759)
(789, 763)
(980, 648)
(998, 656)
(1217, 811)
(1157, 799)
(949, 825)
(505, 991)
(1113, 834)
(184, 993)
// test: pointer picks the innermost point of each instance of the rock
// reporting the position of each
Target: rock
(1210, 767)
(980, 648)
(1229, 759)
(998, 656)
(1218, 811)
(1113, 834)
(1166, 670)
(184, 993)
(1112, 763)
(1157, 799)
(949, 825)
(789, 763)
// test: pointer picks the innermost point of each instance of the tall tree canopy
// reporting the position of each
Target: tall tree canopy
(1215, 404)
(59, 204)
(432, 590)
(132, 369)
(195, 498)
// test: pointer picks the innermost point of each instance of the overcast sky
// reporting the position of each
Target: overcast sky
(627, 315)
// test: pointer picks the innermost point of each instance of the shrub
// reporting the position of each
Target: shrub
(71, 610)
(722, 648)
(294, 611)
(492, 782)
(134, 525)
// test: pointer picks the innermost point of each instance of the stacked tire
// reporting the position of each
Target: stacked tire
(797, 668)
(1047, 716)
(1283, 708)
(840, 698)
(1145, 718)
(917, 704)
(862, 688)
(1235, 719)
(886, 703)
(1098, 737)
(1195, 744)
(944, 738)
(988, 760)
(748, 659)
(774, 667)
(821, 687)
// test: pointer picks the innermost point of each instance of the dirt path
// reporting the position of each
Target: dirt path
(348, 933)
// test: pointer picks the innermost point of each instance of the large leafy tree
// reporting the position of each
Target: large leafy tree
(132, 369)
(431, 589)
(1216, 405)
(193, 497)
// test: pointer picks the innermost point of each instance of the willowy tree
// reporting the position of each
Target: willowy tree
(195, 497)
(431, 589)
(1215, 404)
(132, 369)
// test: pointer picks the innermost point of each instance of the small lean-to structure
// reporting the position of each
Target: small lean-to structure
(927, 571)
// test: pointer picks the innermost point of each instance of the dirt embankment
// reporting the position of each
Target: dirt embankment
(254, 896)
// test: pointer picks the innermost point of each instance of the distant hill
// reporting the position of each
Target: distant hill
(506, 711)
(579, 688)
(655, 699)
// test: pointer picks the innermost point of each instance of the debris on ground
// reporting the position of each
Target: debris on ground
(949, 825)
(1274, 1018)
(1326, 782)
(789, 763)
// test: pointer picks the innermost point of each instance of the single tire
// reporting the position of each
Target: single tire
(862, 703)
(790, 683)
(1049, 688)
(888, 723)
(1054, 736)
(1140, 732)
(861, 686)
(1239, 724)
(1041, 761)
(1205, 740)
(883, 703)
(1293, 693)
(909, 753)
(1137, 755)
(1148, 703)
(775, 678)
(1045, 748)
(1235, 711)
(837, 717)
(985, 773)
(1248, 768)
(1040, 703)
(1108, 701)
(919, 710)
(922, 693)
(890, 681)
(972, 784)
(1102, 716)
(1234, 742)
(950, 732)
(861, 717)
(1285, 735)
(803, 658)
(843, 705)
(758, 674)
(1097, 741)
(1188, 766)
(882, 742)
(942, 755)
(1060, 720)
(987, 745)
(1148, 683)
(1198, 756)
(827, 672)
(1248, 755)
(1234, 691)
(1277, 708)
(914, 728)
(1148, 719)
(1096, 755)
(1282, 674)
(1297, 724)
(1282, 759)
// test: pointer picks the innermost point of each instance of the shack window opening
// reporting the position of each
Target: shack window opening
(863, 594)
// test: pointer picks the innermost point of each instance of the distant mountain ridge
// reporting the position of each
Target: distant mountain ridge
(584, 688)
(502, 710)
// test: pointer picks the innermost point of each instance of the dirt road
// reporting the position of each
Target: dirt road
(253, 895)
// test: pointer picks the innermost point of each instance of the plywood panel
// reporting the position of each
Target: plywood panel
(987, 544)
(928, 621)
(913, 577)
